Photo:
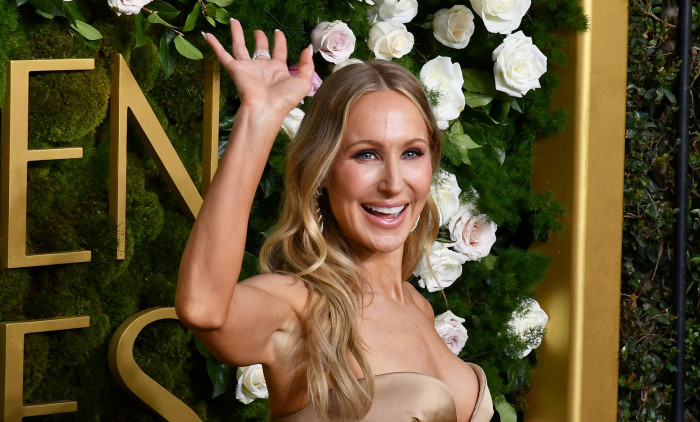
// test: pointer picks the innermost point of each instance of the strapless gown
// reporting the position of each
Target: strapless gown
(409, 396)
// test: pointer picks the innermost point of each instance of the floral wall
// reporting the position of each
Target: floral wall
(488, 73)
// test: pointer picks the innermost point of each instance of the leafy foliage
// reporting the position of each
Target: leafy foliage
(647, 340)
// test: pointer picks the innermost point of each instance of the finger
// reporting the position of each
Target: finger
(306, 64)
(221, 54)
(261, 42)
(238, 41)
(279, 51)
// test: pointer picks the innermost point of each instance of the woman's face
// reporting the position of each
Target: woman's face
(381, 177)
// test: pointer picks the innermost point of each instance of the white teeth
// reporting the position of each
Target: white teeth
(387, 210)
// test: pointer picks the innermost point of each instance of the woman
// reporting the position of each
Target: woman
(340, 334)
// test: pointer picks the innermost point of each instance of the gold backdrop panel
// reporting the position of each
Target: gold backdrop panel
(584, 167)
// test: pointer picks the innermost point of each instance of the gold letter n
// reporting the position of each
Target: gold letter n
(129, 102)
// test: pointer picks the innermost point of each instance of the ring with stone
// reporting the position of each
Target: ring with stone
(261, 53)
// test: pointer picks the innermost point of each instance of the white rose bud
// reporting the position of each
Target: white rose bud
(251, 384)
(445, 193)
(529, 325)
(444, 77)
(449, 327)
(334, 40)
(518, 66)
(446, 263)
(454, 27)
(473, 234)
(401, 11)
(291, 123)
(501, 16)
(389, 39)
(129, 7)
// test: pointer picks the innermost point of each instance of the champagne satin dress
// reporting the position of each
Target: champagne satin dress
(409, 396)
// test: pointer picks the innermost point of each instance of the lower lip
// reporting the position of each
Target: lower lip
(381, 222)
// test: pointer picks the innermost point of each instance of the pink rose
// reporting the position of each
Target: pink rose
(334, 40)
(473, 234)
(449, 327)
(316, 80)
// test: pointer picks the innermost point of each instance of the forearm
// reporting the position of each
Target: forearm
(211, 262)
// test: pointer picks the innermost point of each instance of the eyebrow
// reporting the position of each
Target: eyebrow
(378, 144)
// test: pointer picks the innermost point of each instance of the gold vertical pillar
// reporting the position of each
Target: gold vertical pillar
(584, 167)
(210, 137)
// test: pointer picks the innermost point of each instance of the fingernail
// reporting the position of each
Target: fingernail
(232, 19)
(204, 35)
(277, 30)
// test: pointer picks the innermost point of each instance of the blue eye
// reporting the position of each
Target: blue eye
(365, 155)
(413, 153)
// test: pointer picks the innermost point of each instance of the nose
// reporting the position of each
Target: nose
(391, 181)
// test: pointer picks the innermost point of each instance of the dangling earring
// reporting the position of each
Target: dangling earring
(318, 207)
(415, 225)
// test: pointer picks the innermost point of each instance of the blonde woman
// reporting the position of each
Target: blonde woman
(340, 334)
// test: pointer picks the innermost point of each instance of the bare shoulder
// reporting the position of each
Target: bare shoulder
(422, 302)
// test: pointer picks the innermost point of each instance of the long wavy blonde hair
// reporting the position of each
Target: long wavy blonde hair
(324, 261)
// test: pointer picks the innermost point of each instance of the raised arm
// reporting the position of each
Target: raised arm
(212, 259)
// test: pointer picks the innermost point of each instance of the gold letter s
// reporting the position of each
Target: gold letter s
(128, 374)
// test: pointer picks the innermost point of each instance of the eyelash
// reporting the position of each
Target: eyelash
(359, 155)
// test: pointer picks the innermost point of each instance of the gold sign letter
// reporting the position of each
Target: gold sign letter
(128, 102)
(15, 156)
(133, 379)
(12, 366)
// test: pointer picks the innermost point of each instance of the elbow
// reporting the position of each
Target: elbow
(198, 317)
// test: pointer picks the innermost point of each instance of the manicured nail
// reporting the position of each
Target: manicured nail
(204, 35)
(277, 30)
(311, 46)
(232, 19)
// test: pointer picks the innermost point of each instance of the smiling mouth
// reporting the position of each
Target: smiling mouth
(388, 213)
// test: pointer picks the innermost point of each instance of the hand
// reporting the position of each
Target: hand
(264, 83)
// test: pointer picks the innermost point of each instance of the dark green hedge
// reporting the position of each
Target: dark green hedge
(647, 339)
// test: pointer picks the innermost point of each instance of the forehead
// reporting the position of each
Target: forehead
(385, 115)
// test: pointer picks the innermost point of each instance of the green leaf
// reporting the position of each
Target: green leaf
(72, 12)
(154, 18)
(167, 59)
(476, 100)
(456, 129)
(21, 2)
(464, 141)
(490, 261)
(222, 16)
(221, 375)
(479, 82)
(186, 48)
(140, 33)
(191, 21)
(87, 31)
(222, 3)
(249, 268)
(210, 10)
(211, 21)
(48, 7)
(505, 410)
(165, 10)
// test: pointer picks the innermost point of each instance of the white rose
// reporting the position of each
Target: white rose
(129, 7)
(334, 40)
(528, 324)
(501, 16)
(344, 63)
(454, 27)
(370, 2)
(401, 11)
(389, 39)
(446, 263)
(251, 383)
(445, 78)
(291, 123)
(449, 327)
(519, 65)
(473, 234)
(445, 193)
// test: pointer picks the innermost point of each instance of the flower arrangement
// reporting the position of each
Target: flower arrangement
(484, 64)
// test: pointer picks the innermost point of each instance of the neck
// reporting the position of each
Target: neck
(383, 272)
